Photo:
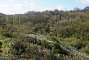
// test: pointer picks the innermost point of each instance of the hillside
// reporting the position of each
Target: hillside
(47, 35)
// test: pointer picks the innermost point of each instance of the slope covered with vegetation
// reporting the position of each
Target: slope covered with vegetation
(47, 35)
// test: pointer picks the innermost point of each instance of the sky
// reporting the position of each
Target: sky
(22, 6)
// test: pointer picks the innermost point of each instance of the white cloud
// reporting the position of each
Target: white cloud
(84, 1)
(59, 7)
(21, 6)
(17, 6)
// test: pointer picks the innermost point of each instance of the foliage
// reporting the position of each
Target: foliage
(58, 28)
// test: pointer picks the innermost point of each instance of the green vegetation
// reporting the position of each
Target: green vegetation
(48, 35)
